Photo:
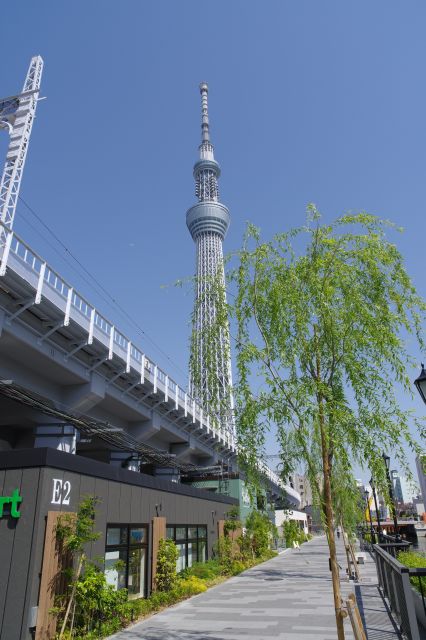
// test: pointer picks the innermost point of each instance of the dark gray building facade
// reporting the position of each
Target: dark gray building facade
(36, 482)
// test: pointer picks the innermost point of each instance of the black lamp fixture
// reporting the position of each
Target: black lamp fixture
(420, 383)
(386, 460)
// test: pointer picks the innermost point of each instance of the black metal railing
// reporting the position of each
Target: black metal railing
(392, 544)
(393, 548)
(397, 583)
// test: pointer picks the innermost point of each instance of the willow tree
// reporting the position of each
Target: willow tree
(321, 316)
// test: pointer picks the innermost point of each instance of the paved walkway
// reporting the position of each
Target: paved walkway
(287, 598)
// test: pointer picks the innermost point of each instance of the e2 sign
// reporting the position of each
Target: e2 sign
(61, 491)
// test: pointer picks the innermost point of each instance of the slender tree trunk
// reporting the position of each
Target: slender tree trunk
(72, 618)
(352, 554)
(348, 559)
(329, 521)
(72, 596)
(326, 455)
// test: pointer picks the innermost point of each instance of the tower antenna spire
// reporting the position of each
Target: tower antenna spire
(205, 131)
(206, 147)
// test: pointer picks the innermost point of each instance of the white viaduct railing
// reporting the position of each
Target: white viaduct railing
(48, 283)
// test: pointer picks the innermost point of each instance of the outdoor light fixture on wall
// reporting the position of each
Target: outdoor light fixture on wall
(213, 515)
(158, 509)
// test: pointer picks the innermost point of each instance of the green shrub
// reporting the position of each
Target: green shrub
(268, 555)
(189, 587)
(259, 531)
(190, 582)
(166, 575)
(293, 533)
(237, 567)
(97, 606)
(224, 551)
(245, 544)
(232, 522)
(414, 561)
(203, 570)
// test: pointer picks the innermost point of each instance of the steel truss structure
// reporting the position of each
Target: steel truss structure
(17, 115)
(208, 222)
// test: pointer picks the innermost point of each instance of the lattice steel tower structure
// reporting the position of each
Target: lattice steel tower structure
(208, 222)
(17, 115)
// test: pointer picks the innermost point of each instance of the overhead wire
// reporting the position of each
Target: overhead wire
(118, 438)
(89, 278)
(95, 283)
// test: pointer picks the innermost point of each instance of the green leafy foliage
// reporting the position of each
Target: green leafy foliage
(259, 532)
(322, 314)
(232, 521)
(225, 553)
(348, 503)
(117, 611)
(414, 561)
(204, 570)
(293, 533)
(73, 533)
(97, 603)
(166, 576)
(127, 611)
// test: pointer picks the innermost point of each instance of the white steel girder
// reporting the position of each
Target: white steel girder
(17, 116)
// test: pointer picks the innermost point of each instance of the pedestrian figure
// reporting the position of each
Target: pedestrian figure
(338, 532)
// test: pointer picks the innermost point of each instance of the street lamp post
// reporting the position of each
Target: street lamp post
(379, 526)
(386, 460)
(420, 383)
(373, 536)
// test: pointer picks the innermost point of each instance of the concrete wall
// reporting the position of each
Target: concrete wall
(299, 516)
(125, 497)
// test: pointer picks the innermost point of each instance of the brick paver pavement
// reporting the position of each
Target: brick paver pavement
(286, 598)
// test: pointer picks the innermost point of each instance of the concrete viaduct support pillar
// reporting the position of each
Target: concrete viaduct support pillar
(56, 436)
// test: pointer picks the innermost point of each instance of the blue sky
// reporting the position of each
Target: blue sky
(321, 101)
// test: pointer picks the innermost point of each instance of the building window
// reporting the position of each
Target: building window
(191, 542)
(126, 558)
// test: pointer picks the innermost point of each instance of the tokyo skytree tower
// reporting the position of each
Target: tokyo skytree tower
(208, 222)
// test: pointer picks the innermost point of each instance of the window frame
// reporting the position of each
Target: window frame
(187, 540)
(128, 546)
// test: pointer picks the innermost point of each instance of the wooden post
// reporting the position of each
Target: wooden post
(220, 528)
(158, 532)
(51, 579)
(355, 618)
(234, 535)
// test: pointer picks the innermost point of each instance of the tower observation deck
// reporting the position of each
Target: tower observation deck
(208, 222)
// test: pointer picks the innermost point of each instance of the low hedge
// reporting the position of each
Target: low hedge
(134, 609)
(191, 582)
(414, 560)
